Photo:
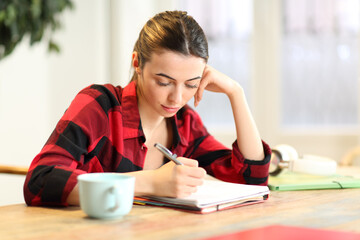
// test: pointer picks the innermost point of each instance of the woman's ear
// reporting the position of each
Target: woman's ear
(135, 62)
(135, 59)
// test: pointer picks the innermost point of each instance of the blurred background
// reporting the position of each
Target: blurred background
(298, 62)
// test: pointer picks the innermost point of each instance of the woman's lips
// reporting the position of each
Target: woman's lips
(170, 109)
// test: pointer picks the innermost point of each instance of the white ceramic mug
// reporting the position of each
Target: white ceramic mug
(106, 195)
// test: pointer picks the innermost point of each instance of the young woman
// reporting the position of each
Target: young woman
(113, 129)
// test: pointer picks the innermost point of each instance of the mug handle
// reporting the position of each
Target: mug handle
(116, 191)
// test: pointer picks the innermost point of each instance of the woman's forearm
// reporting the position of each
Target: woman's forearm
(144, 182)
(143, 185)
(73, 198)
(248, 137)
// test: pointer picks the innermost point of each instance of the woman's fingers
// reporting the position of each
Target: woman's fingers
(188, 162)
(185, 191)
(214, 81)
(193, 172)
(191, 168)
(179, 180)
(199, 93)
(188, 177)
(202, 86)
(194, 182)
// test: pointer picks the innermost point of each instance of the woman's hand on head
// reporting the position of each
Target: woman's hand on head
(172, 180)
(214, 81)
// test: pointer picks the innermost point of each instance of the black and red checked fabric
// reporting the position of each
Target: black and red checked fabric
(101, 132)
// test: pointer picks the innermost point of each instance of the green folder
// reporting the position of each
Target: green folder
(290, 181)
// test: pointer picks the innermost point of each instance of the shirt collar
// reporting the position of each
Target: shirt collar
(176, 123)
(131, 116)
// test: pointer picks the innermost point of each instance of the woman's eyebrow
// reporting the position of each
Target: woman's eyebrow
(191, 79)
(164, 75)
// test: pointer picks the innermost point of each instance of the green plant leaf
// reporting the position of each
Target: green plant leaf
(53, 47)
(35, 8)
(2, 16)
(11, 15)
(19, 18)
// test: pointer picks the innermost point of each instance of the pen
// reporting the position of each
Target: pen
(167, 153)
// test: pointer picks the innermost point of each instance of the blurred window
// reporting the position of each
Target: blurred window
(320, 63)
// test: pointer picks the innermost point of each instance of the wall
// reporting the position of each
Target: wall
(36, 87)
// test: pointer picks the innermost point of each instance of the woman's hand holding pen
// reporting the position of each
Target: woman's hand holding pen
(173, 180)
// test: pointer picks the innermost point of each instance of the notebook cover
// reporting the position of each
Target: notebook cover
(288, 181)
(280, 232)
(145, 201)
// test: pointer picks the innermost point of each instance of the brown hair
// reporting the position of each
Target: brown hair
(171, 30)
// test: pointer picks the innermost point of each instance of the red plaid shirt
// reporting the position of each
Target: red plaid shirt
(101, 132)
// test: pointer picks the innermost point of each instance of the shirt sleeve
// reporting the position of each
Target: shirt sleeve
(221, 162)
(230, 165)
(53, 172)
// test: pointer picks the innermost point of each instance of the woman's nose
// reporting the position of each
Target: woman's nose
(175, 95)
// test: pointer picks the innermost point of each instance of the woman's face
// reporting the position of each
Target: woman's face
(168, 81)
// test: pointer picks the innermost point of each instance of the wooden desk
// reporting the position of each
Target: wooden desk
(324, 209)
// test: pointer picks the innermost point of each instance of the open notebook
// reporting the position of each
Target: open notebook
(212, 196)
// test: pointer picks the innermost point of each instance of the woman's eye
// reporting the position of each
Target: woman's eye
(191, 86)
(162, 83)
